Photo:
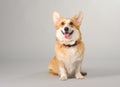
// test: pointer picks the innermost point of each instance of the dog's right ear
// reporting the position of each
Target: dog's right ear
(56, 17)
(78, 18)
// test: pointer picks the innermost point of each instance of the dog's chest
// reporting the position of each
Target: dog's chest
(71, 58)
(71, 55)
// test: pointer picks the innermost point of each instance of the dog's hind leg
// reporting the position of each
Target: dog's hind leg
(53, 67)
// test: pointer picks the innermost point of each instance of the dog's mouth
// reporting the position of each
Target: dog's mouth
(67, 34)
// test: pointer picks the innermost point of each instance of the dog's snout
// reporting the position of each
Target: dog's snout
(66, 29)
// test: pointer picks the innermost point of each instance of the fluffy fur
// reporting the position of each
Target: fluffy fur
(69, 48)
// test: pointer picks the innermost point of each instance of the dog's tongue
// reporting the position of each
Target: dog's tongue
(66, 35)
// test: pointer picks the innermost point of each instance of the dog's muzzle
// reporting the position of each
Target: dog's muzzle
(67, 34)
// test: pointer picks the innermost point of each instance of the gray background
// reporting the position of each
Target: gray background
(27, 39)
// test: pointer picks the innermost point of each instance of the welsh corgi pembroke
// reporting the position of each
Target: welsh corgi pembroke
(69, 48)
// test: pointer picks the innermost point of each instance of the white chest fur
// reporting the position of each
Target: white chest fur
(71, 58)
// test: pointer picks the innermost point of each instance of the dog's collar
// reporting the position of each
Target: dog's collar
(70, 45)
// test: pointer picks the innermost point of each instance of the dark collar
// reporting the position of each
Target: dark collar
(70, 45)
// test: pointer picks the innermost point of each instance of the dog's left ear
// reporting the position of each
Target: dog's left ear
(78, 18)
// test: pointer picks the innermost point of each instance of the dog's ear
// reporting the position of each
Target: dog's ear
(56, 17)
(78, 18)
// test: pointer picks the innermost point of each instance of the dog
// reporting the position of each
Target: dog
(69, 48)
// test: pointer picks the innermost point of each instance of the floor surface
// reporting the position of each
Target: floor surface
(33, 73)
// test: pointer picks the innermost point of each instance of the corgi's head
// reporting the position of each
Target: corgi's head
(67, 29)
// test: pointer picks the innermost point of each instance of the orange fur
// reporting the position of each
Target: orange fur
(53, 64)
(65, 56)
(53, 67)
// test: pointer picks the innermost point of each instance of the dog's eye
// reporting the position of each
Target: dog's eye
(62, 23)
(71, 23)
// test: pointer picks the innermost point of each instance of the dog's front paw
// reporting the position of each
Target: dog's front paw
(64, 77)
(79, 76)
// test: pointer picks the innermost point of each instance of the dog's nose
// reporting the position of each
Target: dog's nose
(66, 29)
